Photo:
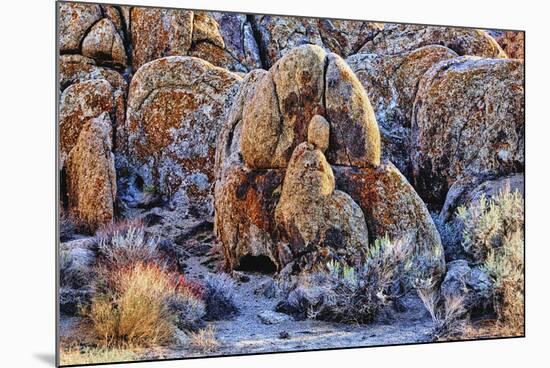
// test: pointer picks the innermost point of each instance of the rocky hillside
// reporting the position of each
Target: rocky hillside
(280, 145)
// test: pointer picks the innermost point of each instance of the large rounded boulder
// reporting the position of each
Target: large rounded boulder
(397, 38)
(391, 82)
(176, 106)
(468, 120)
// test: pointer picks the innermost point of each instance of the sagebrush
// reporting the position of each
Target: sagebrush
(493, 233)
(350, 294)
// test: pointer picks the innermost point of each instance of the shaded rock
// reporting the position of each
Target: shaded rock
(391, 82)
(317, 222)
(77, 68)
(78, 104)
(268, 289)
(318, 133)
(72, 300)
(355, 138)
(272, 318)
(397, 38)
(393, 208)
(470, 189)
(471, 284)
(75, 19)
(91, 179)
(115, 13)
(244, 219)
(229, 151)
(280, 34)
(512, 42)
(468, 120)
(205, 28)
(76, 258)
(104, 44)
(176, 106)
(239, 40)
(284, 335)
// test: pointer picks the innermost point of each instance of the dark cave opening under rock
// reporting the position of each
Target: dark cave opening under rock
(260, 264)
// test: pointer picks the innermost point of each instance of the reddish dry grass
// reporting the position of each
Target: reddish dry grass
(130, 308)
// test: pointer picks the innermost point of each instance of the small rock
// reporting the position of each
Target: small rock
(267, 289)
(472, 284)
(272, 318)
(284, 335)
(318, 132)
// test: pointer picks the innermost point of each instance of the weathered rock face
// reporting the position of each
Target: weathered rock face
(513, 43)
(470, 189)
(287, 209)
(157, 33)
(78, 104)
(74, 21)
(317, 222)
(398, 38)
(238, 37)
(104, 43)
(277, 115)
(95, 31)
(391, 82)
(356, 138)
(91, 179)
(278, 35)
(393, 208)
(467, 121)
(245, 214)
(176, 106)
(74, 70)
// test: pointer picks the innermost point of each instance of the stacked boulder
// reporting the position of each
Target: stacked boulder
(299, 179)
(92, 108)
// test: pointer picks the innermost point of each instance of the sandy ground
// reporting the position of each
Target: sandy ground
(247, 334)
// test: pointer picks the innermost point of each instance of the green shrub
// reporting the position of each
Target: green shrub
(350, 294)
(493, 233)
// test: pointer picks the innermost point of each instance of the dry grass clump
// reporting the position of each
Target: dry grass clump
(78, 356)
(129, 309)
(121, 227)
(125, 244)
(448, 312)
(493, 233)
(350, 294)
(138, 300)
(204, 340)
